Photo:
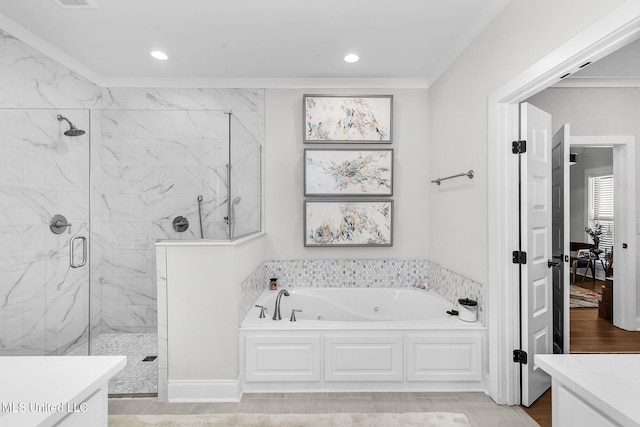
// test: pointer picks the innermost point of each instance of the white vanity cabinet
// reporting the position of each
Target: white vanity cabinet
(593, 390)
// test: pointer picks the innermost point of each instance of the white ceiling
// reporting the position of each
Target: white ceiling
(252, 39)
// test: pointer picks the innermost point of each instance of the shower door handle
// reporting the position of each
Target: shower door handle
(72, 252)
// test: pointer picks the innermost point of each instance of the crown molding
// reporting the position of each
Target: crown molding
(269, 83)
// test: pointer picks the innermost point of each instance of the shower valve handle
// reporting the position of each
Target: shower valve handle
(61, 224)
(58, 223)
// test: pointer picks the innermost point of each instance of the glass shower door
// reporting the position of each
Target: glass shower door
(44, 226)
(245, 179)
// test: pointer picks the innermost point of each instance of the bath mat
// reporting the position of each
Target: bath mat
(583, 298)
(422, 419)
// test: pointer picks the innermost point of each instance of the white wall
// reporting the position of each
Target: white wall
(284, 176)
(588, 159)
(202, 312)
(522, 34)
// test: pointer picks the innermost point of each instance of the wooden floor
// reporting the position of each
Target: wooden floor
(588, 334)
(540, 411)
(592, 334)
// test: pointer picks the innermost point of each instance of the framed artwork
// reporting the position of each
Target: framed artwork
(348, 223)
(348, 172)
(347, 119)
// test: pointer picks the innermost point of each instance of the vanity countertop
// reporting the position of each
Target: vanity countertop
(38, 390)
(609, 382)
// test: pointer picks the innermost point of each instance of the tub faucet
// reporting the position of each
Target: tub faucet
(276, 309)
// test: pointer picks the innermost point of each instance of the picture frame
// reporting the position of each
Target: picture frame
(348, 172)
(347, 119)
(348, 223)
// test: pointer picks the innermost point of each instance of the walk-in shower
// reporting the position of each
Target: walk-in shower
(118, 179)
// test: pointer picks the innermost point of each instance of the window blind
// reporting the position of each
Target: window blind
(601, 208)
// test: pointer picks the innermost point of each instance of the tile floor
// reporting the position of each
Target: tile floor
(137, 376)
(479, 408)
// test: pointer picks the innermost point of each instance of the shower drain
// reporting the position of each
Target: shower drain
(149, 358)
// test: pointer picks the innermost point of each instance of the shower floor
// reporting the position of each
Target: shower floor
(138, 377)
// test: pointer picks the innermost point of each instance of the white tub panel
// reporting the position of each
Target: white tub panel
(417, 348)
(444, 358)
(358, 358)
(282, 358)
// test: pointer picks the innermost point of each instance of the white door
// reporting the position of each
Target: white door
(560, 221)
(536, 291)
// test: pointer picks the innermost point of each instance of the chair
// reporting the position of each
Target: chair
(581, 260)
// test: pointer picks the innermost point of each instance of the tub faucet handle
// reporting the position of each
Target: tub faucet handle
(263, 310)
(293, 315)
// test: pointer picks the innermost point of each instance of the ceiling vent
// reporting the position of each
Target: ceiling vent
(75, 4)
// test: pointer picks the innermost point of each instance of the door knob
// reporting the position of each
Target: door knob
(552, 263)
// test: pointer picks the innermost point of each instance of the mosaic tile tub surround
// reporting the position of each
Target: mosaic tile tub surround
(360, 273)
(250, 290)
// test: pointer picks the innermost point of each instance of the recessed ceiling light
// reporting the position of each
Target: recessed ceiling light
(351, 58)
(159, 55)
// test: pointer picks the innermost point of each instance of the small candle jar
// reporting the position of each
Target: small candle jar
(273, 284)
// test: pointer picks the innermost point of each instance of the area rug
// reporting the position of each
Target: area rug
(422, 419)
(583, 298)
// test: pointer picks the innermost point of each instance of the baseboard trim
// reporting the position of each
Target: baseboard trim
(204, 391)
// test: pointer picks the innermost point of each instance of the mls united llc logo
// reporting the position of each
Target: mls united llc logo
(43, 407)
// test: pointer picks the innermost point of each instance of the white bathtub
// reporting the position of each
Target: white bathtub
(355, 339)
(354, 305)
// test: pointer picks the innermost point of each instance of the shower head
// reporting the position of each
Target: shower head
(73, 130)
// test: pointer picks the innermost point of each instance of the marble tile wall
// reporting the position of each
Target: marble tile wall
(152, 152)
(246, 176)
(161, 149)
(30, 79)
(44, 302)
(361, 273)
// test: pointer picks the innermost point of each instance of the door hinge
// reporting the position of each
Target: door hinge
(520, 356)
(519, 257)
(519, 147)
